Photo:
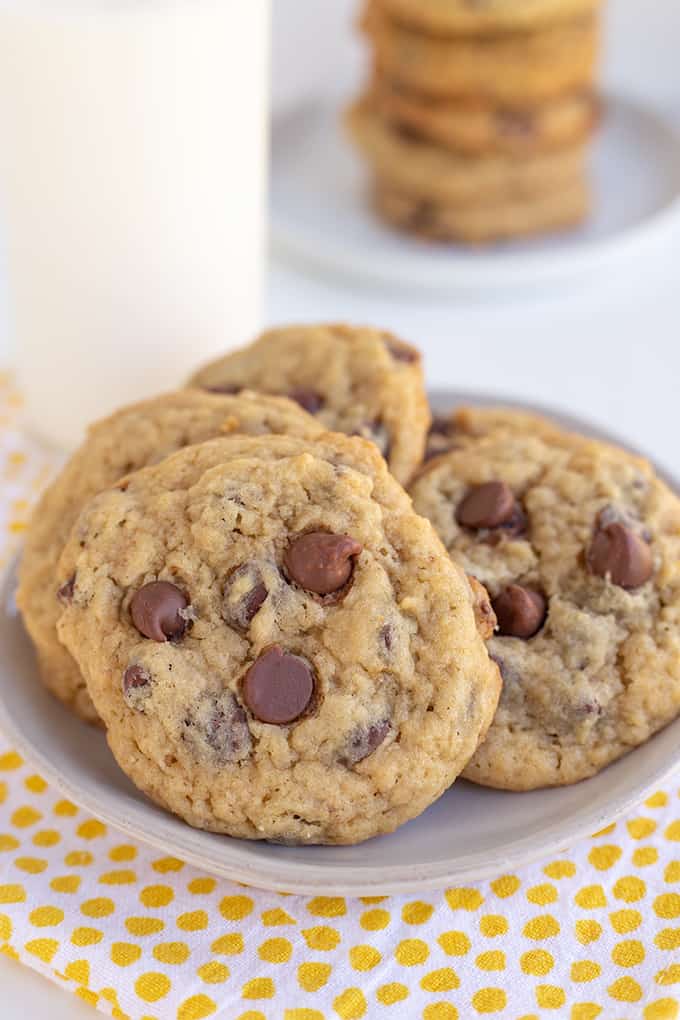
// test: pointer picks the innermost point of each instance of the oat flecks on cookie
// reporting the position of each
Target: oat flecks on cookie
(356, 380)
(578, 544)
(128, 440)
(278, 645)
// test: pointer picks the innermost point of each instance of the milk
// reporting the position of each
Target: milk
(133, 139)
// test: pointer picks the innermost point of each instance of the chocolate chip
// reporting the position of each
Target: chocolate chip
(307, 399)
(407, 132)
(441, 437)
(423, 218)
(589, 708)
(365, 740)
(218, 729)
(515, 526)
(387, 636)
(516, 124)
(401, 351)
(157, 611)
(442, 426)
(278, 687)
(321, 562)
(520, 611)
(65, 593)
(621, 556)
(135, 677)
(253, 602)
(487, 506)
(136, 686)
(244, 594)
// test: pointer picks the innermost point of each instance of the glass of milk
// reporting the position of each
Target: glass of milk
(133, 156)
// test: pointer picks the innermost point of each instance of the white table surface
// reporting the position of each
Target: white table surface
(608, 350)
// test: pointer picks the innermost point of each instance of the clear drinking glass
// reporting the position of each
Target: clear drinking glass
(133, 161)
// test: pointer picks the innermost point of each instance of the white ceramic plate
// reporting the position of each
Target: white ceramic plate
(470, 834)
(320, 212)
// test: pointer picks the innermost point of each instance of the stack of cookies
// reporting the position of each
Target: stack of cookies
(292, 599)
(477, 121)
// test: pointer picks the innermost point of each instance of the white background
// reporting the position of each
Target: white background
(609, 350)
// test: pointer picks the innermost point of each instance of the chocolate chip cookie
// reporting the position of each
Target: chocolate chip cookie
(578, 544)
(279, 646)
(479, 127)
(511, 69)
(490, 17)
(355, 380)
(132, 438)
(418, 170)
(502, 219)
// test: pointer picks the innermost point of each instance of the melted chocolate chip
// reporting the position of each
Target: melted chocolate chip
(278, 687)
(423, 217)
(219, 729)
(136, 686)
(520, 611)
(441, 437)
(244, 594)
(487, 506)
(135, 677)
(514, 527)
(516, 124)
(157, 611)
(365, 740)
(307, 399)
(406, 132)
(442, 425)
(590, 708)
(320, 562)
(620, 555)
(516, 524)
(387, 636)
(65, 593)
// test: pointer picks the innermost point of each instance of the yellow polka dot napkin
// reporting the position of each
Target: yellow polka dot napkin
(592, 933)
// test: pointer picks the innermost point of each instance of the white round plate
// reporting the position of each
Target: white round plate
(470, 834)
(320, 212)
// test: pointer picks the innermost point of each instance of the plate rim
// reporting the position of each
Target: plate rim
(237, 864)
(494, 270)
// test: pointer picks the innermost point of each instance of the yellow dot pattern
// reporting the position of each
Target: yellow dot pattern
(590, 932)
(587, 935)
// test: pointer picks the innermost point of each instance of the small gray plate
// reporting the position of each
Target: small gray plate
(470, 834)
